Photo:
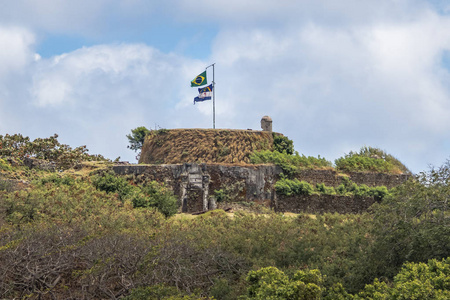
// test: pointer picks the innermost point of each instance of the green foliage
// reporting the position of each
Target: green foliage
(224, 151)
(159, 196)
(291, 187)
(49, 149)
(230, 192)
(289, 163)
(271, 283)
(5, 166)
(325, 190)
(153, 194)
(6, 185)
(414, 281)
(160, 291)
(283, 144)
(137, 137)
(62, 201)
(411, 224)
(221, 195)
(370, 159)
(57, 180)
(111, 183)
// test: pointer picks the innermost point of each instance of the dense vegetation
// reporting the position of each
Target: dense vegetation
(370, 159)
(291, 187)
(94, 235)
(63, 156)
(367, 160)
(290, 163)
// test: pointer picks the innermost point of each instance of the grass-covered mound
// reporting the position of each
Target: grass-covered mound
(370, 159)
(203, 145)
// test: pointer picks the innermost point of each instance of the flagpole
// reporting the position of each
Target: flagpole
(214, 97)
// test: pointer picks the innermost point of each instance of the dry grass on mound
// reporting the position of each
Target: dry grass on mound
(204, 146)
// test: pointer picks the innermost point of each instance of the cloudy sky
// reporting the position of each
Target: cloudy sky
(333, 75)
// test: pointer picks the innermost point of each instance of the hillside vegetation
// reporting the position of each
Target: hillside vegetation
(66, 233)
(99, 236)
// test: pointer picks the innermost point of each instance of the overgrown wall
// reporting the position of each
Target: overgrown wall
(196, 185)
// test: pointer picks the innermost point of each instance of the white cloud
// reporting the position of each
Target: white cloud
(15, 49)
(82, 17)
(96, 95)
(334, 76)
(335, 89)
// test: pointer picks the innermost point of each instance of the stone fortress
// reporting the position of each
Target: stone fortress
(196, 163)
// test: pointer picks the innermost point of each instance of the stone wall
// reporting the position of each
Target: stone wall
(195, 185)
(333, 178)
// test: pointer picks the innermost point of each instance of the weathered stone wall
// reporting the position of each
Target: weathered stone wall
(333, 178)
(195, 185)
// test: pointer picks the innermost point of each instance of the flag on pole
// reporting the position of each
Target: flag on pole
(199, 80)
(204, 94)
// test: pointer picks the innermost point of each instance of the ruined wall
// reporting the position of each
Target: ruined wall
(333, 178)
(195, 186)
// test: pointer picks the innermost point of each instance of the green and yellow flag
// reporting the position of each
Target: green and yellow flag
(199, 80)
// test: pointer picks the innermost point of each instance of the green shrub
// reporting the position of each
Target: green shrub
(56, 179)
(271, 283)
(283, 144)
(159, 196)
(111, 183)
(414, 281)
(288, 163)
(370, 159)
(5, 166)
(326, 190)
(291, 187)
(49, 149)
(152, 194)
(6, 185)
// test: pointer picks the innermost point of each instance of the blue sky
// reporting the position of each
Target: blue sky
(334, 76)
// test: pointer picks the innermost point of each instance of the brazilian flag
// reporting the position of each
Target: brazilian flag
(199, 80)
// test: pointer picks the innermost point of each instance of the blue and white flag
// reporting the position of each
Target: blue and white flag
(204, 94)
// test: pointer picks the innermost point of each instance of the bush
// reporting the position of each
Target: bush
(159, 196)
(271, 283)
(111, 183)
(48, 149)
(414, 281)
(288, 163)
(370, 159)
(150, 195)
(290, 187)
(283, 144)
(326, 190)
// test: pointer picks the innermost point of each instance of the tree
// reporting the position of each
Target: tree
(412, 224)
(414, 281)
(283, 144)
(271, 283)
(137, 137)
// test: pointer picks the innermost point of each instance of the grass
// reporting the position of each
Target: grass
(204, 146)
